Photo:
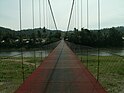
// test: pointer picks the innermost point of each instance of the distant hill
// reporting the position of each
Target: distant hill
(30, 31)
(4, 31)
(28, 38)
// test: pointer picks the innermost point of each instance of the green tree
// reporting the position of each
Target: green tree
(39, 36)
(115, 37)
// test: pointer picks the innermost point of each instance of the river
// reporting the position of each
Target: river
(103, 52)
(39, 53)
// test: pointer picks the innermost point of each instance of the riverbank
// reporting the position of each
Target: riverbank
(11, 75)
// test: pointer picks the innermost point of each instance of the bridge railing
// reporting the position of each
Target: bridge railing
(105, 65)
(13, 72)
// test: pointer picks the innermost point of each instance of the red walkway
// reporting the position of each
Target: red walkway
(61, 72)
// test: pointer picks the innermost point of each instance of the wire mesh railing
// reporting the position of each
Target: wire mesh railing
(11, 72)
(111, 66)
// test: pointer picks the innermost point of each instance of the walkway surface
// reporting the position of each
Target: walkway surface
(61, 72)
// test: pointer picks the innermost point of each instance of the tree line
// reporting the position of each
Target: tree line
(35, 38)
(109, 37)
(29, 38)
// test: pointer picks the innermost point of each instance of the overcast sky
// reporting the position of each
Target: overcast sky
(112, 14)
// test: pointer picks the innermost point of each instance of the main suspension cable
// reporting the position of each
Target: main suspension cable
(70, 15)
(52, 14)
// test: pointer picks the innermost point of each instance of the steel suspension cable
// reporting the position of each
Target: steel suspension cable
(87, 28)
(44, 13)
(33, 13)
(20, 15)
(98, 39)
(77, 14)
(48, 18)
(33, 30)
(70, 15)
(40, 13)
(20, 19)
(81, 14)
(99, 15)
(87, 14)
(52, 14)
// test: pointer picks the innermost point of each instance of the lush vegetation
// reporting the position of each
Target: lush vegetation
(111, 71)
(33, 38)
(111, 37)
(30, 38)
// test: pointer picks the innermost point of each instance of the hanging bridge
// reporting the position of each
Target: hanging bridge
(61, 71)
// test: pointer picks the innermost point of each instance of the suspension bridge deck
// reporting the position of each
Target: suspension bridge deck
(61, 72)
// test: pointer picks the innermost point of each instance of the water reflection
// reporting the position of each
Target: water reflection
(42, 53)
(102, 52)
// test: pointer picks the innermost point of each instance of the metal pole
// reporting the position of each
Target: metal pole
(20, 8)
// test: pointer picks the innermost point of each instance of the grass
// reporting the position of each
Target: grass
(11, 72)
(111, 74)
